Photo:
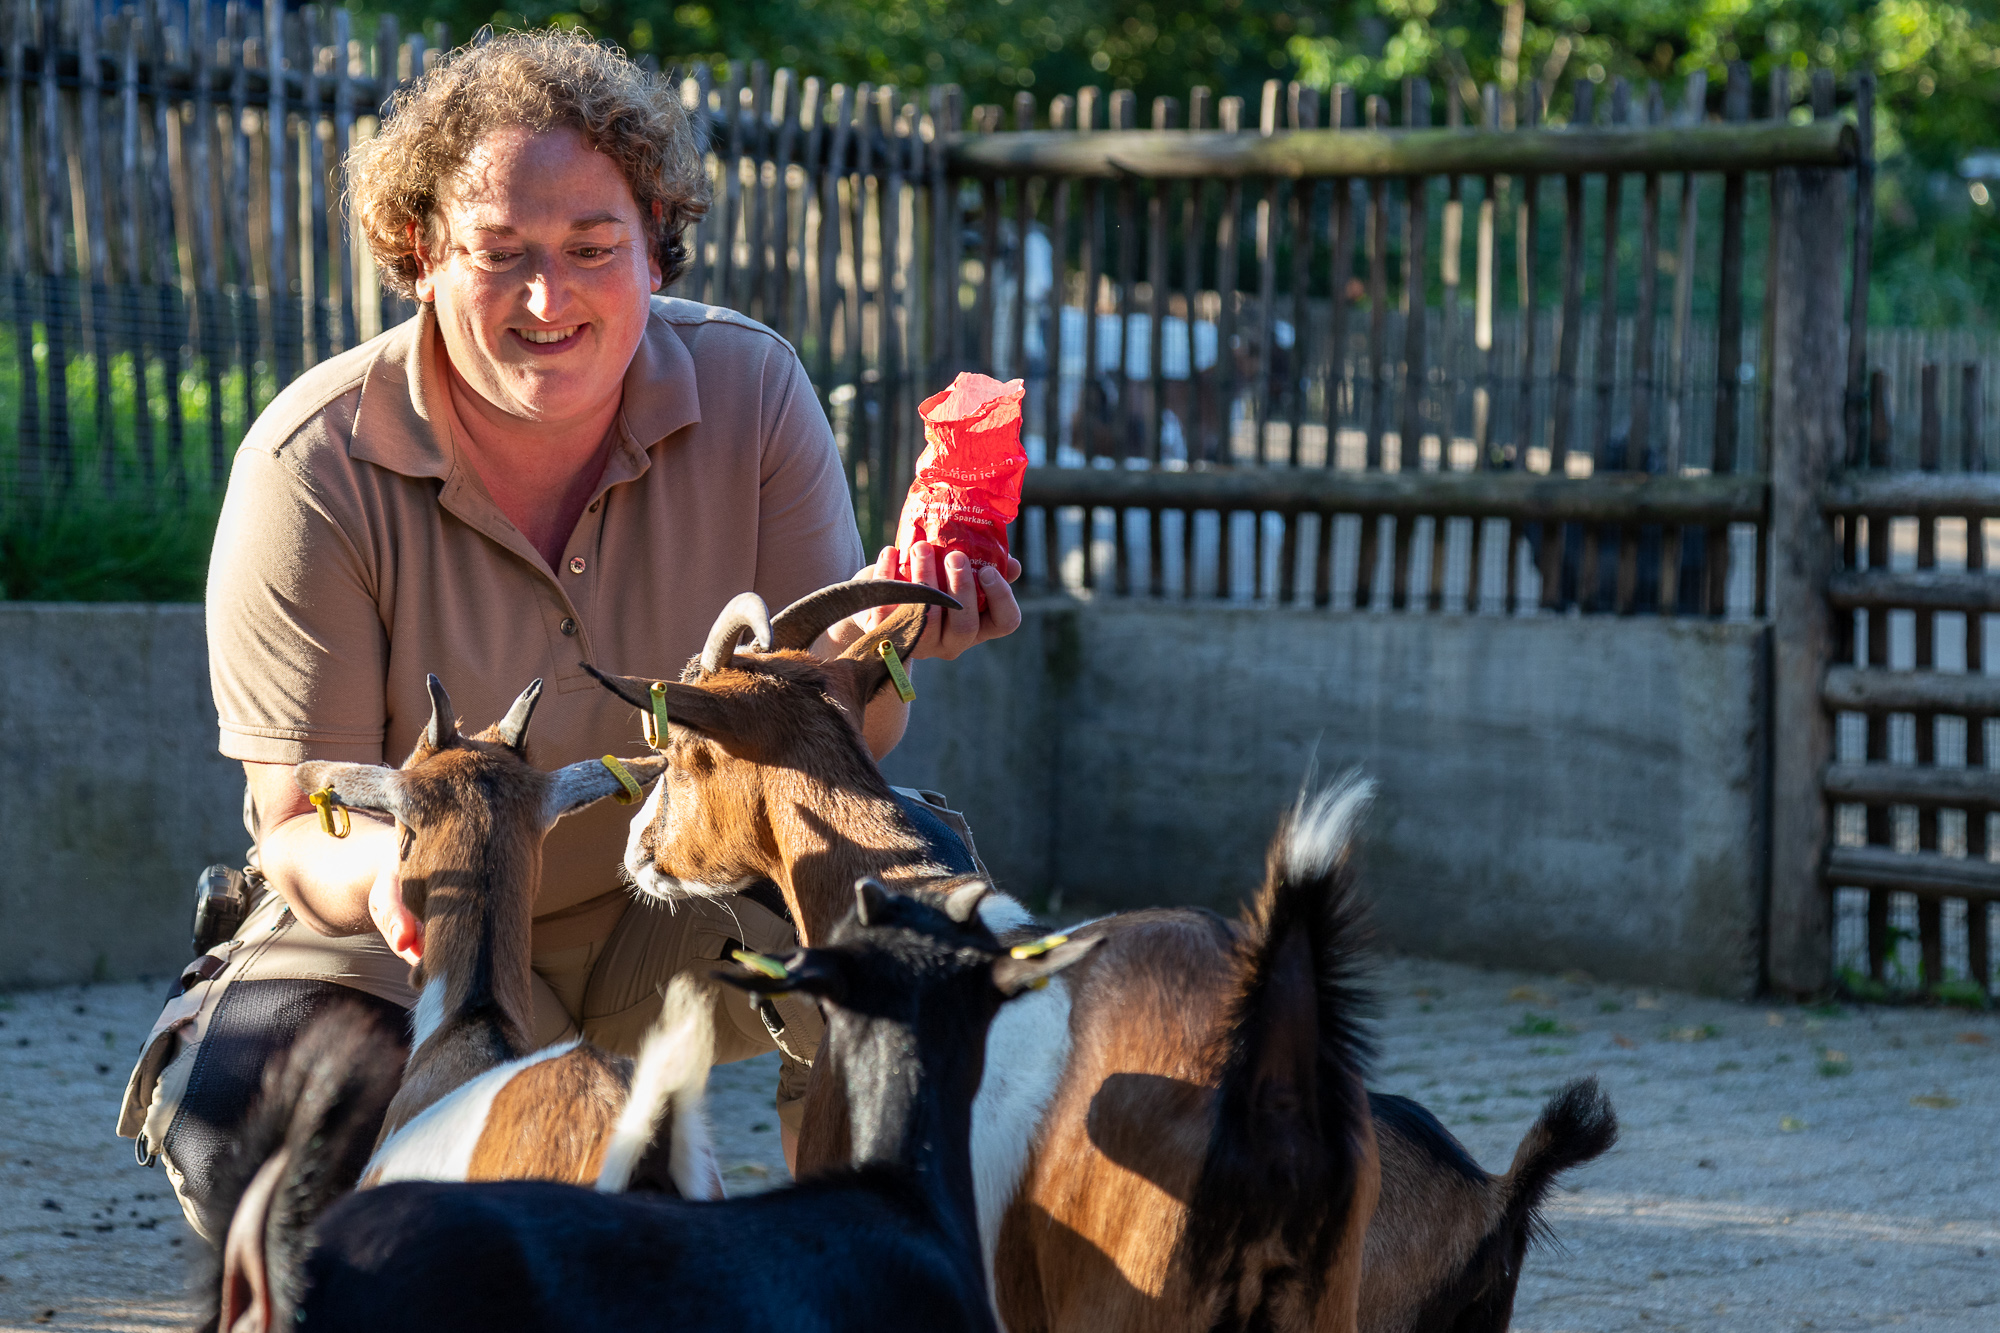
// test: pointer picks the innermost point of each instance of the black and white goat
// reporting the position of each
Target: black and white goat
(890, 1241)
(477, 1101)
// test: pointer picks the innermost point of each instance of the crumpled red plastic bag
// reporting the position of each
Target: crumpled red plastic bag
(968, 484)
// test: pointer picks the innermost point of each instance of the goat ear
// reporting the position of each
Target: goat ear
(902, 630)
(246, 1280)
(574, 786)
(871, 902)
(357, 786)
(687, 705)
(632, 689)
(816, 972)
(962, 905)
(1012, 976)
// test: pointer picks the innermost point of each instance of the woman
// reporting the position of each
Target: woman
(549, 464)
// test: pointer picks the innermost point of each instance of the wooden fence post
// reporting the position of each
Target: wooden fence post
(1809, 380)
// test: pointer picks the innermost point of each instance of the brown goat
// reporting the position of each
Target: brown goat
(1446, 1248)
(477, 1101)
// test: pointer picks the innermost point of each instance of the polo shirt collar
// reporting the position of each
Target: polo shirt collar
(402, 401)
(400, 419)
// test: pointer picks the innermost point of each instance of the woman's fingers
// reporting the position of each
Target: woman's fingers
(1003, 613)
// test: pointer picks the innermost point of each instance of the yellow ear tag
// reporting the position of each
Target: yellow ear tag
(655, 721)
(897, 675)
(1036, 948)
(762, 963)
(322, 801)
(632, 790)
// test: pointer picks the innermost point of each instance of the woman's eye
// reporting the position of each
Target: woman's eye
(494, 259)
(594, 252)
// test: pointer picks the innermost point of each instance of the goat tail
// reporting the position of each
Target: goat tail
(669, 1079)
(1576, 1126)
(1291, 1136)
(1309, 895)
(303, 1146)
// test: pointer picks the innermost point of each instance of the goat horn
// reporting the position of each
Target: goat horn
(513, 728)
(443, 730)
(746, 611)
(800, 624)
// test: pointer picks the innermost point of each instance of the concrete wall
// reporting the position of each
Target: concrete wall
(1556, 793)
(112, 797)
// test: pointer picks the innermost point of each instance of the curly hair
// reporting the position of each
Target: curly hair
(542, 80)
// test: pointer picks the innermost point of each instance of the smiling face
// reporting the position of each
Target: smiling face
(540, 273)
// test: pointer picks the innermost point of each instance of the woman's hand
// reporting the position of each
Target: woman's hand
(949, 633)
(401, 930)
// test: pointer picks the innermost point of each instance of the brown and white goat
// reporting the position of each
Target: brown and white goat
(767, 777)
(477, 1101)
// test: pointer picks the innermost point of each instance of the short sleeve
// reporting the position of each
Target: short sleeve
(807, 536)
(297, 650)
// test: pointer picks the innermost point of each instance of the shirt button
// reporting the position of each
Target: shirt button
(576, 564)
(569, 626)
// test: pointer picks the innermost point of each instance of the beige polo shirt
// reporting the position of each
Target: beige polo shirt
(358, 551)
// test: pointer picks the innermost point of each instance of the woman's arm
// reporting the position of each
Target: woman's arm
(337, 886)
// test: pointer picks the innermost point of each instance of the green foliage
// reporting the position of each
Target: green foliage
(104, 524)
(1862, 986)
(91, 547)
(1533, 1024)
(1937, 251)
(1964, 992)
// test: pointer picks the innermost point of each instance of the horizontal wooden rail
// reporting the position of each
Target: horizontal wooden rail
(177, 82)
(1923, 590)
(1206, 154)
(1916, 494)
(1611, 497)
(1876, 690)
(1926, 874)
(1908, 784)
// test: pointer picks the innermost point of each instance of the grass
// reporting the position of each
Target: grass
(98, 548)
(90, 519)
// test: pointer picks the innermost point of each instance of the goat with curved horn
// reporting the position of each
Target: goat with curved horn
(443, 730)
(799, 625)
(512, 730)
(746, 612)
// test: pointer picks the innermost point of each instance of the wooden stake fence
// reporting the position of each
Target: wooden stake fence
(1254, 369)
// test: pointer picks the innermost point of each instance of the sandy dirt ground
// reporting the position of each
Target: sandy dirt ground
(1780, 1167)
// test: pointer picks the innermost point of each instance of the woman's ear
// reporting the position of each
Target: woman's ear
(426, 281)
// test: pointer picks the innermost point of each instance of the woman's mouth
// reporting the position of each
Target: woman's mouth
(550, 340)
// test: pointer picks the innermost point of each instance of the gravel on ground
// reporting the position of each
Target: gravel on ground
(1781, 1167)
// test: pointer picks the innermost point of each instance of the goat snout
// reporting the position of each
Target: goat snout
(639, 866)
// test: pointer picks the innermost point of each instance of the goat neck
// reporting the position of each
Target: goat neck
(827, 835)
(472, 865)
(909, 1083)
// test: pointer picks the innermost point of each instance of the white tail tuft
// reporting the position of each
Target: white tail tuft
(1323, 824)
(669, 1079)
